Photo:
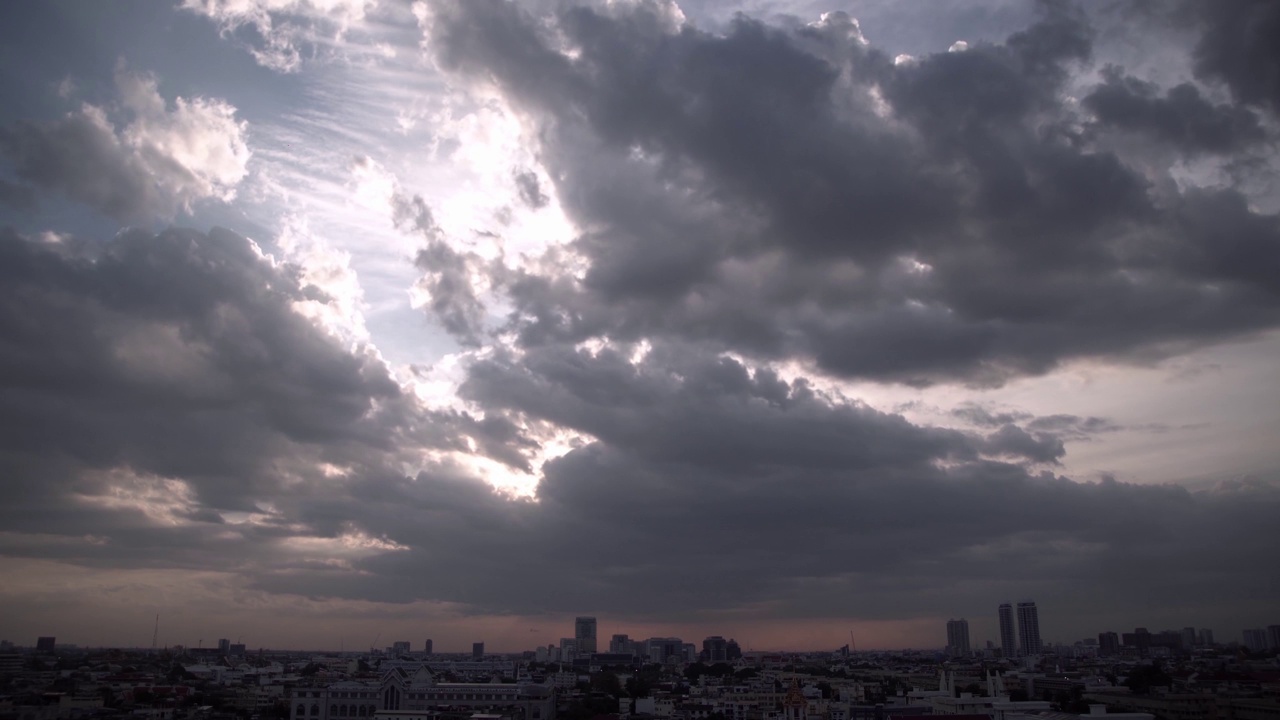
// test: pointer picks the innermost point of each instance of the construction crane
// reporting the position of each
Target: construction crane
(374, 645)
(155, 634)
(853, 647)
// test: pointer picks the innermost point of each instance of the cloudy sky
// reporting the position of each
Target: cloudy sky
(325, 321)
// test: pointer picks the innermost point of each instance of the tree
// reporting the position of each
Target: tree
(606, 682)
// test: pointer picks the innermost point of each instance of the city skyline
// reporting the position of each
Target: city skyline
(324, 321)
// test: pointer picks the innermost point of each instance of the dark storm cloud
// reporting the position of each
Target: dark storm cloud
(150, 360)
(156, 385)
(1182, 117)
(1239, 48)
(791, 192)
(16, 196)
(80, 155)
(712, 487)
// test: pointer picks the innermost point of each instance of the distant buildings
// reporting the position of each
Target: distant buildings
(1029, 628)
(584, 631)
(400, 647)
(477, 650)
(958, 638)
(46, 644)
(429, 647)
(224, 646)
(1008, 639)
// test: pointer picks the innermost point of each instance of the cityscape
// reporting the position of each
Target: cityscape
(1178, 674)
(640, 360)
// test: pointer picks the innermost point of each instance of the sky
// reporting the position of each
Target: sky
(328, 323)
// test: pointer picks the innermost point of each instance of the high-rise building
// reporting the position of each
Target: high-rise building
(1206, 637)
(1273, 637)
(477, 650)
(620, 644)
(715, 649)
(400, 647)
(1255, 640)
(569, 649)
(1028, 628)
(1188, 638)
(958, 637)
(1008, 640)
(224, 646)
(46, 644)
(584, 631)
(428, 647)
(1108, 644)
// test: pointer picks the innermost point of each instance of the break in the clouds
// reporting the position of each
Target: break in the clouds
(683, 321)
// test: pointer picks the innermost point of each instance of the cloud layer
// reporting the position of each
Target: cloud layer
(762, 215)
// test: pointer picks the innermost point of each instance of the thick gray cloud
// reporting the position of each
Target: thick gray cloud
(1238, 47)
(791, 191)
(779, 191)
(1183, 117)
(172, 371)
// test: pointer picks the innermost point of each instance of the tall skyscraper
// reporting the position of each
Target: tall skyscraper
(428, 647)
(1028, 628)
(958, 637)
(1206, 637)
(477, 650)
(1008, 640)
(224, 646)
(584, 631)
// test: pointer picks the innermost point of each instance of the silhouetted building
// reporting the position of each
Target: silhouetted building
(1008, 640)
(584, 631)
(715, 650)
(620, 644)
(400, 647)
(732, 650)
(45, 644)
(1206, 637)
(1273, 637)
(1108, 644)
(1188, 637)
(1028, 628)
(958, 638)
(224, 646)
(429, 647)
(477, 650)
(1255, 640)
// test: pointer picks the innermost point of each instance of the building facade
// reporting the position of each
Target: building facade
(584, 631)
(1029, 628)
(400, 693)
(958, 638)
(1008, 639)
